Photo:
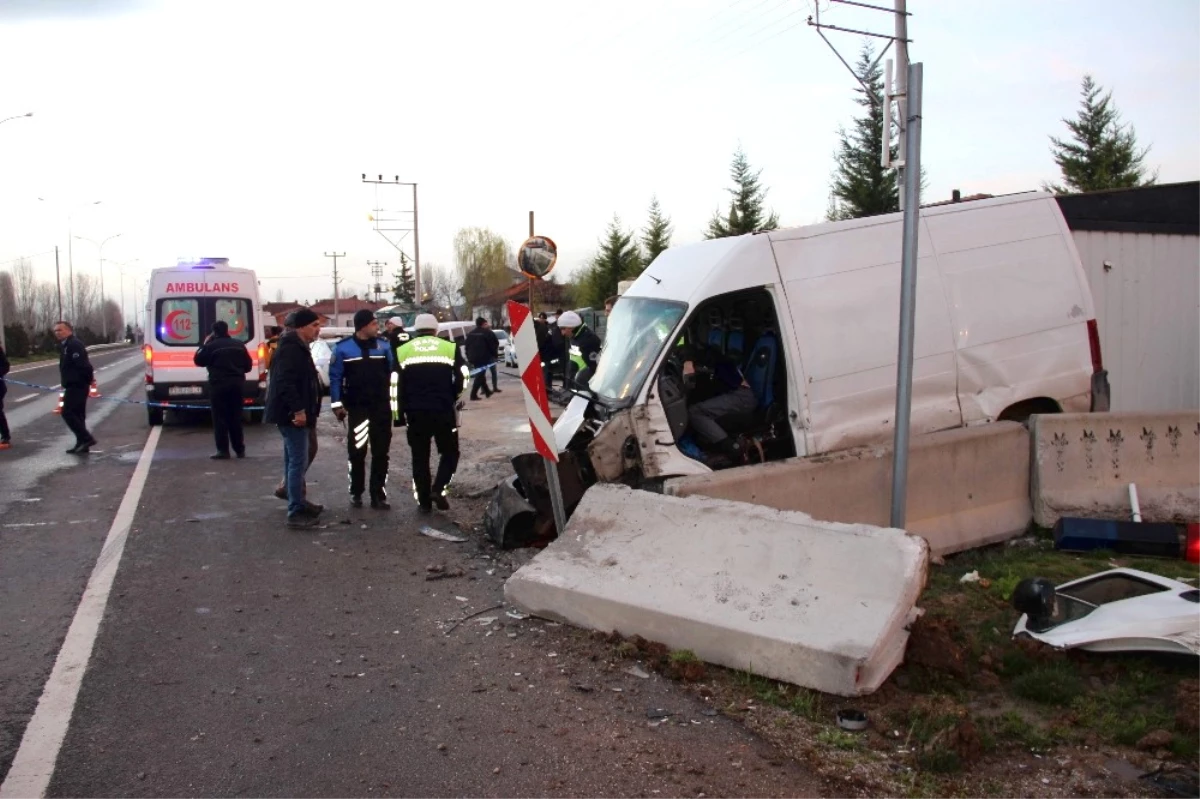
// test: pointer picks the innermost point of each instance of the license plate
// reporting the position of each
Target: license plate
(184, 391)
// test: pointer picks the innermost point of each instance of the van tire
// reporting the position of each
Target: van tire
(1021, 411)
(155, 416)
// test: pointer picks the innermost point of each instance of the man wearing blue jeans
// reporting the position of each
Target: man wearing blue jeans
(293, 402)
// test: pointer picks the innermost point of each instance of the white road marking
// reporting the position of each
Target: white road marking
(34, 764)
(26, 398)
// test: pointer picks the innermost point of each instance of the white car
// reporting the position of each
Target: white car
(506, 344)
(322, 354)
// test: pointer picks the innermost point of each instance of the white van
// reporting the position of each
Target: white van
(1005, 327)
(184, 301)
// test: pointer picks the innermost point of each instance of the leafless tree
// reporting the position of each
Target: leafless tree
(25, 287)
(440, 285)
(8, 301)
(45, 309)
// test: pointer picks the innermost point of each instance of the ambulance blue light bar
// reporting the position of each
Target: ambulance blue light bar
(202, 263)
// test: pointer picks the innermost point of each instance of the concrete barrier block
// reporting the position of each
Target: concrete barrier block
(820, 605)
(967, 487)
(1083, 463)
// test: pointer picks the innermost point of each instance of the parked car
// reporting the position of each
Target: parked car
(322, 354)
(505, 341)
(510, 354)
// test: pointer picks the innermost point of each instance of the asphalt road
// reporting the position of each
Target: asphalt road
(236, 657)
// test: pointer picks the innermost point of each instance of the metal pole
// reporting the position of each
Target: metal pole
(902, 95)
(531, 283)
(103, 315)
(58, 281)
(335, 256)
(416, 246)
(908, 298)
(71, 268)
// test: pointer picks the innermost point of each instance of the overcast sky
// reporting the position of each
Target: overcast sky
(241, 129)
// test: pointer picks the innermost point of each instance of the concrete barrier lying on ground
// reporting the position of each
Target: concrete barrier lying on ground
(966, 487)
(1083, 463)
(821, 605)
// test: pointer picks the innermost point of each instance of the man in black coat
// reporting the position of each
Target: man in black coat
(227, 361)
(75, 373)
(293, 402)
(482, 349)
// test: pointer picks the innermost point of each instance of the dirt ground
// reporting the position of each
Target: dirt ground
(970, 713)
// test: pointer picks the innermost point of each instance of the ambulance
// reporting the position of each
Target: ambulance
(184, 302)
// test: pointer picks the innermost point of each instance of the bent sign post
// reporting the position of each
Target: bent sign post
(533, 386)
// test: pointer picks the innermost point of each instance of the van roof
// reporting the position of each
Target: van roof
(694, 270)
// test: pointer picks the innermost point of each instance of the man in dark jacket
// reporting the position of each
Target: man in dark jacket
(75, 373)
(362, 386)
(5, 435)
(432, 376)
(227, 361)
(482, 349)
(293, 402)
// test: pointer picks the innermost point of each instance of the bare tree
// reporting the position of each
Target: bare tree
(87, 303)
(482, 258)
(8, 300)
(25, 287)
(112, 316)
(440, 285)
(45, 309)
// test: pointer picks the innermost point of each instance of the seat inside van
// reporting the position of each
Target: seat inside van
(742, 328)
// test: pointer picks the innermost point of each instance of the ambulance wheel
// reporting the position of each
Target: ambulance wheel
(256, 417)
(156, 416)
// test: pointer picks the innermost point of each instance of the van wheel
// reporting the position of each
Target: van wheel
(155, 416)
(1026, 408)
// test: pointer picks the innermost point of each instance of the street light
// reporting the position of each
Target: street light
(121, 272)
(100, 247)
(70, 252)
(18, 116)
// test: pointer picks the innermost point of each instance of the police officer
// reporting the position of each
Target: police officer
(585, 345)
(76, 374)
(395, 332)
(432, 376)
(227, 362)
(362, 387)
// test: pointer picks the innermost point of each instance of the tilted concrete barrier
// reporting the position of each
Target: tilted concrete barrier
(966, 487)
(1083, 463)
(821, 605)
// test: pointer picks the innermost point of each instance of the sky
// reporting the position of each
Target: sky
(242, 129)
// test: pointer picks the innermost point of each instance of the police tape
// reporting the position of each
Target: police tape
(174, 406)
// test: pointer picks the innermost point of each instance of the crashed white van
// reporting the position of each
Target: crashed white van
(1005, 328)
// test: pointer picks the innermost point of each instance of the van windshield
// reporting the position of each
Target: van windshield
(187, 321)
(638, 329)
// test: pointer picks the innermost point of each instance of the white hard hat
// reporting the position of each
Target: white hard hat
(397, 321)
(426, 321)
(569, 319)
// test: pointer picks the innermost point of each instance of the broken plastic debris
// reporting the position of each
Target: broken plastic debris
(486, 620)
(439, 535)
(514, 614)
(969, 577)
(1121, 610)
(461, 598)
(637, 671)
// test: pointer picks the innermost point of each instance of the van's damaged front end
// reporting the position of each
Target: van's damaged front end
(604, 435)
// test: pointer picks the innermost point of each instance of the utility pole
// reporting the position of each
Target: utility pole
(377, 275)
(907, 94)
(531, 283)
(902, 101)
(400, 231)
(335, 256)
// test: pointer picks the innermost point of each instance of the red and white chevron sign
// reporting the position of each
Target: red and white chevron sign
(533, 384)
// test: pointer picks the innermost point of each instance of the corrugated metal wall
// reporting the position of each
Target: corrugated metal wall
(1148, 310)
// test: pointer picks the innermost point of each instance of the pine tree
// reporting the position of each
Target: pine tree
(746, 210)
(1104, 154)
(405, 290)
(861, 185)
(618, 259)
(656, 236)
